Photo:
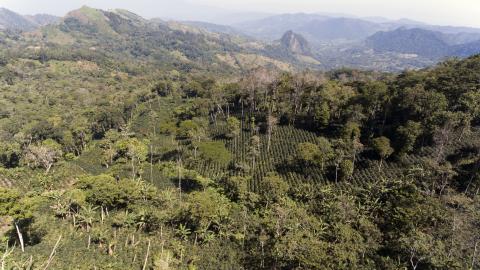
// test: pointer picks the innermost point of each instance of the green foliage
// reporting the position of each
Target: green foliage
(233, 127)
(206, 209)
(382, 147)
(10, 155)
(407, 136)
(236, 187)
(215, 152)
(308, 152)
(8, 199)
(106, 191)
(273, 188)
(346, 169)
(135, 99)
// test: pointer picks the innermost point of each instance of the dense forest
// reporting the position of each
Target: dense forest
(115, 158)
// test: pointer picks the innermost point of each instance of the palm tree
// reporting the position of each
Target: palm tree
(87, 216)
(183, 232)
(141, 220)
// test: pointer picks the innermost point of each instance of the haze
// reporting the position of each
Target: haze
(441, 12)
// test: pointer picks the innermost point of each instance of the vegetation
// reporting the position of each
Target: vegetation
(139, 165)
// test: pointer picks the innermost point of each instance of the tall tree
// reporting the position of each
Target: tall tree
(381, 145)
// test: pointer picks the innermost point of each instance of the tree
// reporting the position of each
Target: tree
(272, 121)
(43, 155)
(325, 151)
(44, 130)
(308, 153)
(194, 131)
(207, 208)
(254, 150)
(215, 152)
(236, 187)
(346, 169)
(135, 150)
(163, 88)
(19, 208)
(322, 115)
(86, 218)
(470, 103)
(382, 147)
(407, 136)
(106, 191)
(315, 154)
(233, 127)
(108, 145)
(351, 134)
(10, 154)
(340, 150)
(273, 188)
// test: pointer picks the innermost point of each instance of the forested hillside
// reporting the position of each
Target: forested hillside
(130, 144)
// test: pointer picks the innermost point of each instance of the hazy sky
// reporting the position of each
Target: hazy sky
(444, 12)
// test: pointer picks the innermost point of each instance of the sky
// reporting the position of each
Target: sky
(441, 12)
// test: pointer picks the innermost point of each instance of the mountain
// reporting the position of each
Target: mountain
(410, 41)
(426, 43)
(215, 28)
(339, 29)
(273, 27)
(43, 19)
(316, 28)
(466, 50)
(125, 36)
(324, 28)
(295, 43)
(14, 21)
(316, 41)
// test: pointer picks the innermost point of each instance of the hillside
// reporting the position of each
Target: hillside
(465, 50)
(128, 164)
(123, 35)
(129, 143)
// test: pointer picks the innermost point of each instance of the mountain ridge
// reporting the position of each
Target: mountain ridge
(428, 43)
(14, 21)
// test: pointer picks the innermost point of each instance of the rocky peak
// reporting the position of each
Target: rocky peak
(295, 43)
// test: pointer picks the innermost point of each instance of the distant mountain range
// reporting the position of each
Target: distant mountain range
(427, 43)
(316, 28)
(288, 41)
(14, 21)
(328, 28)
(357, 41)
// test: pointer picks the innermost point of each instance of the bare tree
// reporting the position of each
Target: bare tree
(43, 155)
